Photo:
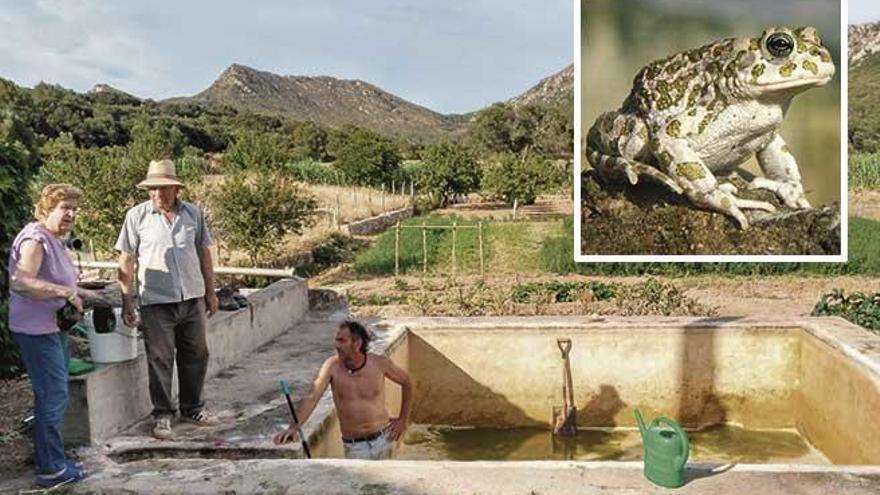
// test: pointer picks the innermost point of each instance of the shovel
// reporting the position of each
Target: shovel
(564, 419)
(285, 389)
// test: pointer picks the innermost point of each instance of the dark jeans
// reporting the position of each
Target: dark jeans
(181, 327)
(45, 358)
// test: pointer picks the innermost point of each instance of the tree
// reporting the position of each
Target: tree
(15, 173)
(255, 211)
(309, 140)
(521, 179)
(256, 150)
(448, 170)
(108, 178)
(368, 159)
(494, 130)
(154, 140)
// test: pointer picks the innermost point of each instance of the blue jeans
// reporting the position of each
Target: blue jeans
(45, 358)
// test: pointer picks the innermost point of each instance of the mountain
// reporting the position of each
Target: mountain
(338, 102)
(325, 100)
(864, 87)
(864, 40)
(557, 89)
(108, 94)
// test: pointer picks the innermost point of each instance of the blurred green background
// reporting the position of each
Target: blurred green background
(619, 37)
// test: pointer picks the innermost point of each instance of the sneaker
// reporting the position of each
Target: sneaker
(201, 418)
(70, 474)
(162, 428)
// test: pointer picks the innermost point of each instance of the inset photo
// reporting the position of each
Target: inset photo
(710, 131)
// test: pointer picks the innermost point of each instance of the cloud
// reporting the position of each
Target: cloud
(448, 56)
(77, 44)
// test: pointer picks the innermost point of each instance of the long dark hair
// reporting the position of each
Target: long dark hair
(357, 330)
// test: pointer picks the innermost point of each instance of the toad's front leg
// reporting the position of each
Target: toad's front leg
(782, 175)
(683, 164)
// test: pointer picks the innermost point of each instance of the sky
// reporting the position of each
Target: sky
(450, 56)
(863, 11)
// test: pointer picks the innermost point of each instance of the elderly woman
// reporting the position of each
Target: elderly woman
(42, 280)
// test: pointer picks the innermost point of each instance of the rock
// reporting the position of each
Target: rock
(649, 219)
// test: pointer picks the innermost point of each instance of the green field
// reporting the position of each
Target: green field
(507, 247)
(864, 259)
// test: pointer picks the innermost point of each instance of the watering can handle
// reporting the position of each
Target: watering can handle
(685, 447)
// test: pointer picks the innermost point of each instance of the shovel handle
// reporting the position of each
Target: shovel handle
(564, 344)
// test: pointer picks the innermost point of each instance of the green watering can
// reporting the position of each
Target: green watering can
(666, 451)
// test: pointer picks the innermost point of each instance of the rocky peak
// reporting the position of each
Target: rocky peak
(864, 40)
(552, 90)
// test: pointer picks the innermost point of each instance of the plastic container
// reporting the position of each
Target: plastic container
(114, 347)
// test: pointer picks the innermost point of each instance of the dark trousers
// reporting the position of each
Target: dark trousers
(45, 358)
(176, 327)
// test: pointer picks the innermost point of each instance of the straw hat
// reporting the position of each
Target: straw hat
(161, 173)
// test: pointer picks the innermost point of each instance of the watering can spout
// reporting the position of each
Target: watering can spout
(641, 422)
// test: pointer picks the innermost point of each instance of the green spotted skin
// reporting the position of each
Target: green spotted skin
(707, 110)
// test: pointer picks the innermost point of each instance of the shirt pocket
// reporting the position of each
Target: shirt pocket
(186, 236)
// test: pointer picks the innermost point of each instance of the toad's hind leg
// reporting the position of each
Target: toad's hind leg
(615, 166)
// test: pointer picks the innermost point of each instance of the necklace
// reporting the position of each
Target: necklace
(355, 370)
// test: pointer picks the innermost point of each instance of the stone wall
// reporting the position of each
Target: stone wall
(379, 223)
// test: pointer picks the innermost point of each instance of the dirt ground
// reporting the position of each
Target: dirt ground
(15, 448)
(548, 206)
(730, 296)
(864, 203)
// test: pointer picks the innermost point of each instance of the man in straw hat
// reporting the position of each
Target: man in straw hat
(167, 241)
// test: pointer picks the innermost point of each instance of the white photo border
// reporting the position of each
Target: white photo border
(648, 258)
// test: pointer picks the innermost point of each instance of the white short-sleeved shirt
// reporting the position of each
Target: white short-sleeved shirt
(169, 269)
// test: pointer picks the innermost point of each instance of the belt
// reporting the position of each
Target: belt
(366, 438)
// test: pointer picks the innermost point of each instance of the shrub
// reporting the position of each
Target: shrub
(255, 212)
(561, 291)
(859, 308)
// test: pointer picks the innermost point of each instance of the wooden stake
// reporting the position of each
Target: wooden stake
(482, 266)
(397, 249)
(454, 222)
(424, 247)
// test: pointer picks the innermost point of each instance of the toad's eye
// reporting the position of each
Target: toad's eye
(780, 44)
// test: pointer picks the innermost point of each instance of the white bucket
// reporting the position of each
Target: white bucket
(119, 345)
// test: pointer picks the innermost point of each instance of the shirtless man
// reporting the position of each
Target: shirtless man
(358, 379)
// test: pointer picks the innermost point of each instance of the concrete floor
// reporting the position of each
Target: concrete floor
(248, 399)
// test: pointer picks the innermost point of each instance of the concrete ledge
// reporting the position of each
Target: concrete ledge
(338, 476)
(115, 396)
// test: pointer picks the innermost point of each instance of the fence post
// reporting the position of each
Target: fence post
(424, 247)
(515, 203)
(393, 189)
(482, 269)
(370, 199)
(337, 212)
(383, 198)
(397, 249)
(454, 222)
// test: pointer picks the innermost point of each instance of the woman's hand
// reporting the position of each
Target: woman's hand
(74, 298)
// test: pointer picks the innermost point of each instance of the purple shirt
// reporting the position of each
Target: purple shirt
(33, 316)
